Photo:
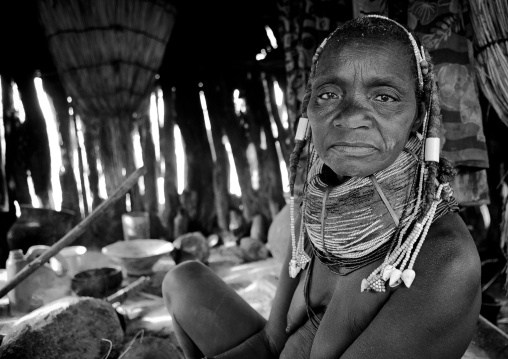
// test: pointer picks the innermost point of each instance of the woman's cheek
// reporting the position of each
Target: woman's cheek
(318, 141)
(390, 144)
(387, 111)
(320, 114)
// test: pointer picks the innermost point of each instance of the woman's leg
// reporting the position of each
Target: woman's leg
(209, 316)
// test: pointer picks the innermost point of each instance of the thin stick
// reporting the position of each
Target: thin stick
(123, 293)
(73, 234)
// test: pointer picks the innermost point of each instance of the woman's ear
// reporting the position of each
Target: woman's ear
(419, 117)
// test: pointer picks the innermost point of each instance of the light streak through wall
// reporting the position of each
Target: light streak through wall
(5, 205)
(54, 143)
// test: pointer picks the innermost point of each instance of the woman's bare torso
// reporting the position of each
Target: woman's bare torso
(331, 297)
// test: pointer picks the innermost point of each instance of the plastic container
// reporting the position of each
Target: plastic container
(136, 225)
(20, 297)
(74, 257)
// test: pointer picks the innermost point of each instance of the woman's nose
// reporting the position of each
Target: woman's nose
(354, 113)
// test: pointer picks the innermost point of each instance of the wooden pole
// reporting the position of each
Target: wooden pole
(221, 165)
(91, 158)
(73, 234)
(190, 120)
(172, 200)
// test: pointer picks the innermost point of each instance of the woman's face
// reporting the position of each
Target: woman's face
(362, 106)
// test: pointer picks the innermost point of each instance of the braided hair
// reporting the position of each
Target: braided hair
(371, 28)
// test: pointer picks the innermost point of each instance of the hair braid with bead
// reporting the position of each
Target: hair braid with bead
(443, 171)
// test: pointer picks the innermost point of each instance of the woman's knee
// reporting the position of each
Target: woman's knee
(179, 280)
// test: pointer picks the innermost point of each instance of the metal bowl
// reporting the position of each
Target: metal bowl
(138, 256)
(98, 282)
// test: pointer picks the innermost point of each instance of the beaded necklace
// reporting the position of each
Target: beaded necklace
(350, 225)
(364, 219)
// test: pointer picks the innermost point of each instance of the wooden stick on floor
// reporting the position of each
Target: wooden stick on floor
(73, 234)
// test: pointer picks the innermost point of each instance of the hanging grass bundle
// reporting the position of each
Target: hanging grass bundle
(107, 53)
(490, 23)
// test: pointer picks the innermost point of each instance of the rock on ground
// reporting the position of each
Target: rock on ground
(71, 328)
(194, 243)
(253, 249)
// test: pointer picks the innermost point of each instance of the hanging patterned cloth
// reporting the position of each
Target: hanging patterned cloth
(442, 27)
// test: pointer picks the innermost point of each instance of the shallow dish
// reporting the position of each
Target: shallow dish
(138, 256)
(97, 282)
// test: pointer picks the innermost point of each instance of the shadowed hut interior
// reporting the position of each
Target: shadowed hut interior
(205, 97)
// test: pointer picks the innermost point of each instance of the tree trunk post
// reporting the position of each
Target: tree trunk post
(198, 196)
(90, 142)
(150, 197)
(257, 108)
(171, 198)
(221, 167)
(237, 136)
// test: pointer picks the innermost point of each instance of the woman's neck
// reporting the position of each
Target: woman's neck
(342, 179)
(331, 178)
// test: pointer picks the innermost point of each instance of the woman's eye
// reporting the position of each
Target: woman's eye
(384, 98)
(327, 96)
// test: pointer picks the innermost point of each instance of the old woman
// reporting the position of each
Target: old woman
(380, 264)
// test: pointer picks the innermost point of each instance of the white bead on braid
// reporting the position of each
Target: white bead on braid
(432, 149)
(301, 130)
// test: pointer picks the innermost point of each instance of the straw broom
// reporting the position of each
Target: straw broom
(490, 24)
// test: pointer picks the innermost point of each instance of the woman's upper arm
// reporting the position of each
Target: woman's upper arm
(436, 317)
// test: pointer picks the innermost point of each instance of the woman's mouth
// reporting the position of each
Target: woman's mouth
(353, 149)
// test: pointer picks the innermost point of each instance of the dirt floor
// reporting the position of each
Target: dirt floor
(149, 327)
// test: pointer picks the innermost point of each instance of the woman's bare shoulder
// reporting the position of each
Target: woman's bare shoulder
(450, 253)
(435, 317)
(448, 270)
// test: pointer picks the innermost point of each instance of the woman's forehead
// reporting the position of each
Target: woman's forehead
(378, 58)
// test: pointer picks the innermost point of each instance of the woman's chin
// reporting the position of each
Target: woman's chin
(346, 171)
